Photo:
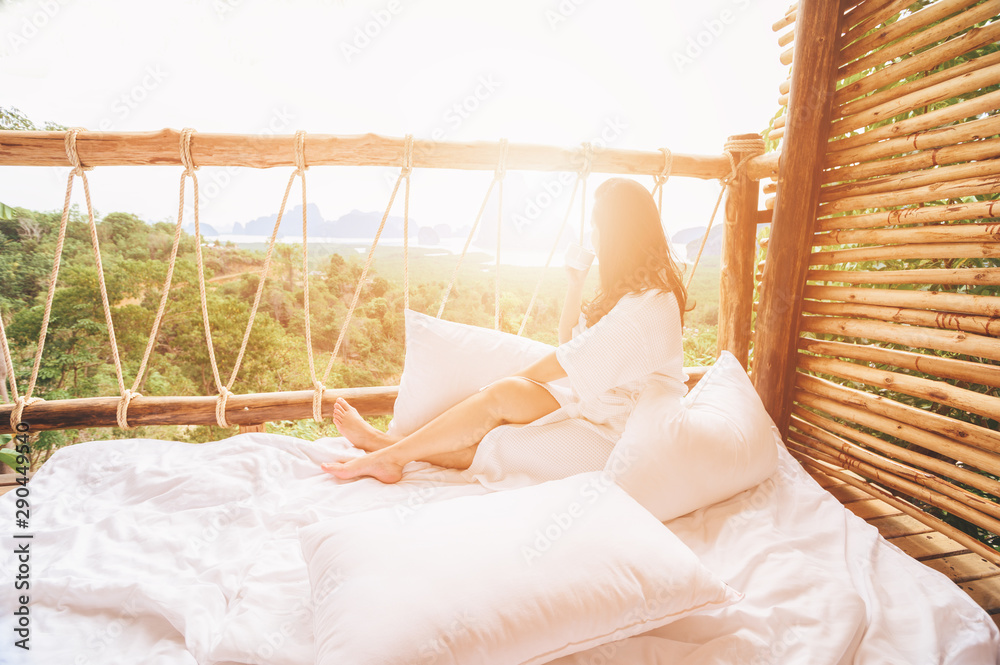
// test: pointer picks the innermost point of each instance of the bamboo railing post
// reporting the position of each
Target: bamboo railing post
(799, 176)
(738, 254)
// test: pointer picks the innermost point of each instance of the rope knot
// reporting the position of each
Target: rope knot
(318, 390)
(748, 147)
(300, 152)
(501, 170)
(127, 396)
(668, 164)
(71, 153)
(186, 159)
(407, 156)
(18, 410)
(588, 159)
(220, 407)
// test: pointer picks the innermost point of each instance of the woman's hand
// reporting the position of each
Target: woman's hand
(576, 277)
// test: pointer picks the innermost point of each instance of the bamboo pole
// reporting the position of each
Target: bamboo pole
(925, 363)
(915, 435)
(848, 452)
(736, 281)
(954, 438)
(906, 486)
(916, 234)
(813, 82)
(979, 325)
(914, 179)
(944, 528)
(249, 409)
(958, 250)
(916, 63)
(939, 191)
(971, 107)
(876, 14)
(18, 148)
(918, 34)
(894, 95)
(921, 140)
(242, 410)
(904, 27)
(976, 346)
(922, 215)
(827, 430)
(955, 276)
(915, 386)
(787, 38)
(925, 159)
(783, 22)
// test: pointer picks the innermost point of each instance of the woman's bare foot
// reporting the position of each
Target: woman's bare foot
(377, 466)
(357, 430)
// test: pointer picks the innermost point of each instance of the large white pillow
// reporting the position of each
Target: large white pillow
(514, 577)
(446, 362)
(676, 457)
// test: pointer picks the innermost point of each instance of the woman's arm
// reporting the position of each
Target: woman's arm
(571, 307)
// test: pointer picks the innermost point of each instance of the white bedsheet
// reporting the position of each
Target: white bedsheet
(160, 552)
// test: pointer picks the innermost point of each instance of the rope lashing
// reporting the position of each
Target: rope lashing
(17, 411)
(220, 407)
(225, 389)
(581, 177)
(588, 162)
(404, 174)
(122, 412)
(498, 174)
(750, 148)
(661, 180)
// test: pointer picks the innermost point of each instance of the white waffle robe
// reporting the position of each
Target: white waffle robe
(608, 365)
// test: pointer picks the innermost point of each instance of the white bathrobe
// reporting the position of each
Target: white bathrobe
(608, 366)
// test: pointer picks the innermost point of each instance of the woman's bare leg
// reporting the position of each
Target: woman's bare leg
(363, 435)
(512, 400)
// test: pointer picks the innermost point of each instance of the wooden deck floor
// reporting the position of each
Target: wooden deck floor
(974, 574)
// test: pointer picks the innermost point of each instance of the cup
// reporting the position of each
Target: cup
(577, 257)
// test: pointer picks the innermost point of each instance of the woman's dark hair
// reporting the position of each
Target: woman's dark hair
(633, 254)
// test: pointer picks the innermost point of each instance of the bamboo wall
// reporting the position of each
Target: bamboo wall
(897, 357)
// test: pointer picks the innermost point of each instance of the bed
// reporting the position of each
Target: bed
(164, 552)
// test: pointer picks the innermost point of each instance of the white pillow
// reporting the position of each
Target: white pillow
(446, 362)
(514, 577)
(678, 456)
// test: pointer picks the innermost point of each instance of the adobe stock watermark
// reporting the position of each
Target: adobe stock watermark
(276, 639)
(35, 16)
(213, 181)
(453, 634)
(132, 97)
(711, 30)
(103, 640)
(365, 35)
(454, 116)
(553, 187)
(562, 12)
(562, 521)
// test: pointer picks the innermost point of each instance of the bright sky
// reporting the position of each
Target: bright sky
(644, 73)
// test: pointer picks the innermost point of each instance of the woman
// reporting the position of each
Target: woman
(522, 429)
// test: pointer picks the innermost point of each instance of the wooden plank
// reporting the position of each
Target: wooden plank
(799, 174)
(826, 481)
(20, 148)
(929, 545)
(985, 592)
(846, 493)
(895, 526)
(964, 567)
(870, 508)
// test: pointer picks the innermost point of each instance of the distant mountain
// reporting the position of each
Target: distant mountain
(355, 224)
(207, 230)
(684, 236)
(712, 248)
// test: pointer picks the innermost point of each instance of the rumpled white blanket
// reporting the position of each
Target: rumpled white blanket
(161, 552)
